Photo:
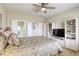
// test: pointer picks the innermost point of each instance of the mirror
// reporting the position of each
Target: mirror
(20, 28)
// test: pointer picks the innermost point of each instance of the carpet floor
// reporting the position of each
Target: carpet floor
(68, 52)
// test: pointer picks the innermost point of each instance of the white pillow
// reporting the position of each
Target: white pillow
(3, 42)
(9, 41)
(15, 39)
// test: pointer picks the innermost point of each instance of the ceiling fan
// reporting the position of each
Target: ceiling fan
(42, 7)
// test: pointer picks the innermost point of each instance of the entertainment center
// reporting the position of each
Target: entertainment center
(60, 40)
(68, 36)
(57, 34)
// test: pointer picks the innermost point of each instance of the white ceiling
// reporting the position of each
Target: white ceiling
(28, 8)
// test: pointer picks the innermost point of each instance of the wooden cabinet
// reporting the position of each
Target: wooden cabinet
(72, 34)
(71, 44)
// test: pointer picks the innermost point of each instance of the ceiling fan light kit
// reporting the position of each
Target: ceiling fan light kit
(43, 7)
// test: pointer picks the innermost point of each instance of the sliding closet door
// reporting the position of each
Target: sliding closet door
(40, 29)
(14, 26)
(37, 29)
(29, 29)
(19, 27)
(34, 29)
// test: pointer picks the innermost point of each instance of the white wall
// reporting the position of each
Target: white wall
(15, 15)
(3, 13)
(59, 19)
(8, 15)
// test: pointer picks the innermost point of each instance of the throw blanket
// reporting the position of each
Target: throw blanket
(33, 46)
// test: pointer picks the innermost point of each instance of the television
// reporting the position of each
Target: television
(59, 32)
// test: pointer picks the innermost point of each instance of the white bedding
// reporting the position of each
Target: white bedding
(33, 46)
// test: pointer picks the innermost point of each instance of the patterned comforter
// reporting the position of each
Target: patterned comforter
(33, 46)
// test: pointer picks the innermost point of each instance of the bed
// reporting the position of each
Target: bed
(34, 46)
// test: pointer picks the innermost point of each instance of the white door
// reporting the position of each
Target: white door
(14, 26)
(29, 29)
(37, 29)
(72, 44)
(34, 29)
(44, 29)
(40, 29)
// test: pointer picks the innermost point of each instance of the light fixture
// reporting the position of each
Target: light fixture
(43, 9)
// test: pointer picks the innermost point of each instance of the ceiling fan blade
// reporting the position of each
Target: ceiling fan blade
(45, 4)
(37, 10)
(36, 5)
(50, 7)
(45, 11)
